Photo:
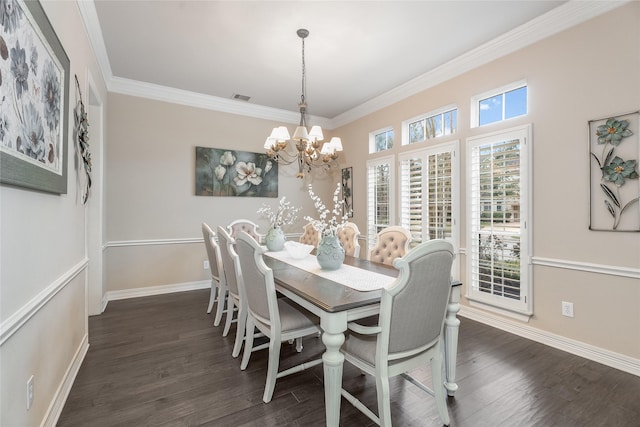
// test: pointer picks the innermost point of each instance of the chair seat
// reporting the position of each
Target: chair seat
(293, 318)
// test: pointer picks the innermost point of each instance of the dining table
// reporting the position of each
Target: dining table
(341, 296)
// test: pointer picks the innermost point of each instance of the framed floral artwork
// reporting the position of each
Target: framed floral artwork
(614, 148)
(34, 106)
(232, 173)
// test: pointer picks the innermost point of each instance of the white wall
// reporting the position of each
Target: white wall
(43, 281)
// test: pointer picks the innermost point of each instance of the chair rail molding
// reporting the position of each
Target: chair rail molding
(26, 312)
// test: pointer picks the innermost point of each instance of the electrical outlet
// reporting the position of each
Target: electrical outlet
(205, 264)
(567, 309)
(29, 392)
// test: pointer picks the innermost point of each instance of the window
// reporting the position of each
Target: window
(431, 125)
(501, 104)
(429, 188)
(380, 184)
(381, 140)
(499, 233)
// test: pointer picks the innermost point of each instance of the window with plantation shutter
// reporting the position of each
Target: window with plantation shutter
(429, 188)
(498, 216)
(380, 197)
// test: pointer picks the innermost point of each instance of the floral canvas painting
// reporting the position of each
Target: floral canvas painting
(232, 173)
(30, 120)
(615, 187)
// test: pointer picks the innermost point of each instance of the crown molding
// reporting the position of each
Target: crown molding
(559, 19)
(94, 32)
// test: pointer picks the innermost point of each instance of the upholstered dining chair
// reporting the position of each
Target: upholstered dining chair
(245, 225)
(409, 328)
(391, 243)
(310, 236)
(277, 318)
(237, 299)
(348, 236)
(218, 280)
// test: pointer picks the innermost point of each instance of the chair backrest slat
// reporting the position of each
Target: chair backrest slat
(257, 277)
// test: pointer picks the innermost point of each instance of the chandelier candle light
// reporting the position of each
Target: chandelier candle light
(308, 154)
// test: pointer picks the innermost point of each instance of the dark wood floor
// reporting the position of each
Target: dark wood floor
(159, 361)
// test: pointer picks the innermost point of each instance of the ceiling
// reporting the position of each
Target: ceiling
(356, 50)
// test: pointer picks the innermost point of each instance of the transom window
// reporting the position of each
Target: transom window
(431, 125)
(381, 140)
(500, 104)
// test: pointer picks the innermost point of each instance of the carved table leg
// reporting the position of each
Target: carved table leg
(333, 338)
(451, 325)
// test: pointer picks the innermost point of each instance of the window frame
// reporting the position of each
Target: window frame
(476, 99)
(452, 147)
(371, 224)
(521, 309)
(372, 139)
(430, 114)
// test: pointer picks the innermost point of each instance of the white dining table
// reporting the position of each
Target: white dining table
(350, 293)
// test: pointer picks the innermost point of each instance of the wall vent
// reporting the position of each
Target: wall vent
(240, 97)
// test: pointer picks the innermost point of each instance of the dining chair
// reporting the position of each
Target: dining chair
(245, 225)
(277, 318)
(237, 299)
(391, 243)
(409, 328)
(218, 280)
(348, 236)
(310, 236)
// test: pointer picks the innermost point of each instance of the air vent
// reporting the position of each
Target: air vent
(240, 97)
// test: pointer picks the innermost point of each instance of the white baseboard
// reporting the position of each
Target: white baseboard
(156, 290)
(61, 395)
(596, 354)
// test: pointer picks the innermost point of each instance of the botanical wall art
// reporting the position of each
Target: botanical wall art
(34, 82)
(347, 191)
(223, 172)
(81, 135)
(615, 188)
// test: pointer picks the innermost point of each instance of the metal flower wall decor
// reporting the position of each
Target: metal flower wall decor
(81, 134)
(615, 188)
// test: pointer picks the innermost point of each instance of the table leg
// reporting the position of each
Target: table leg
(452, 324)
(333, 360)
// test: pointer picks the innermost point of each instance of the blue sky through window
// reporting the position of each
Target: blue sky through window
(515, 104)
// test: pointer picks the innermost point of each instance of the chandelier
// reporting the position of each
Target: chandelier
(308, 153)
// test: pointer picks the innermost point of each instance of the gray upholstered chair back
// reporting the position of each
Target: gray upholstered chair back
(418, 306)
(227, 253)
(213, 250)
(391, 243)
(257, 277)
(348, 236)
(245, 225)
(310, 236)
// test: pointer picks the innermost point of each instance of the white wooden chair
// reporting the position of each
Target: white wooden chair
(391, 243)
(409, 329)
(348, 236)
(310, 236)
(218, 280)
(237, 299)
(277, 318)
(249, 227)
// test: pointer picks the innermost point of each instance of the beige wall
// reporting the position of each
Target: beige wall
(569, 83)
(150, 190)
(43, 264)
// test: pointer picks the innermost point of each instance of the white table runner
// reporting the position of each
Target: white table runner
(353, 277)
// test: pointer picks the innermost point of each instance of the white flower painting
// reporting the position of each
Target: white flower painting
(232, 173)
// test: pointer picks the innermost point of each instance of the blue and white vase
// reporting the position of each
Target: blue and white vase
(275, 239)
(330, 253)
